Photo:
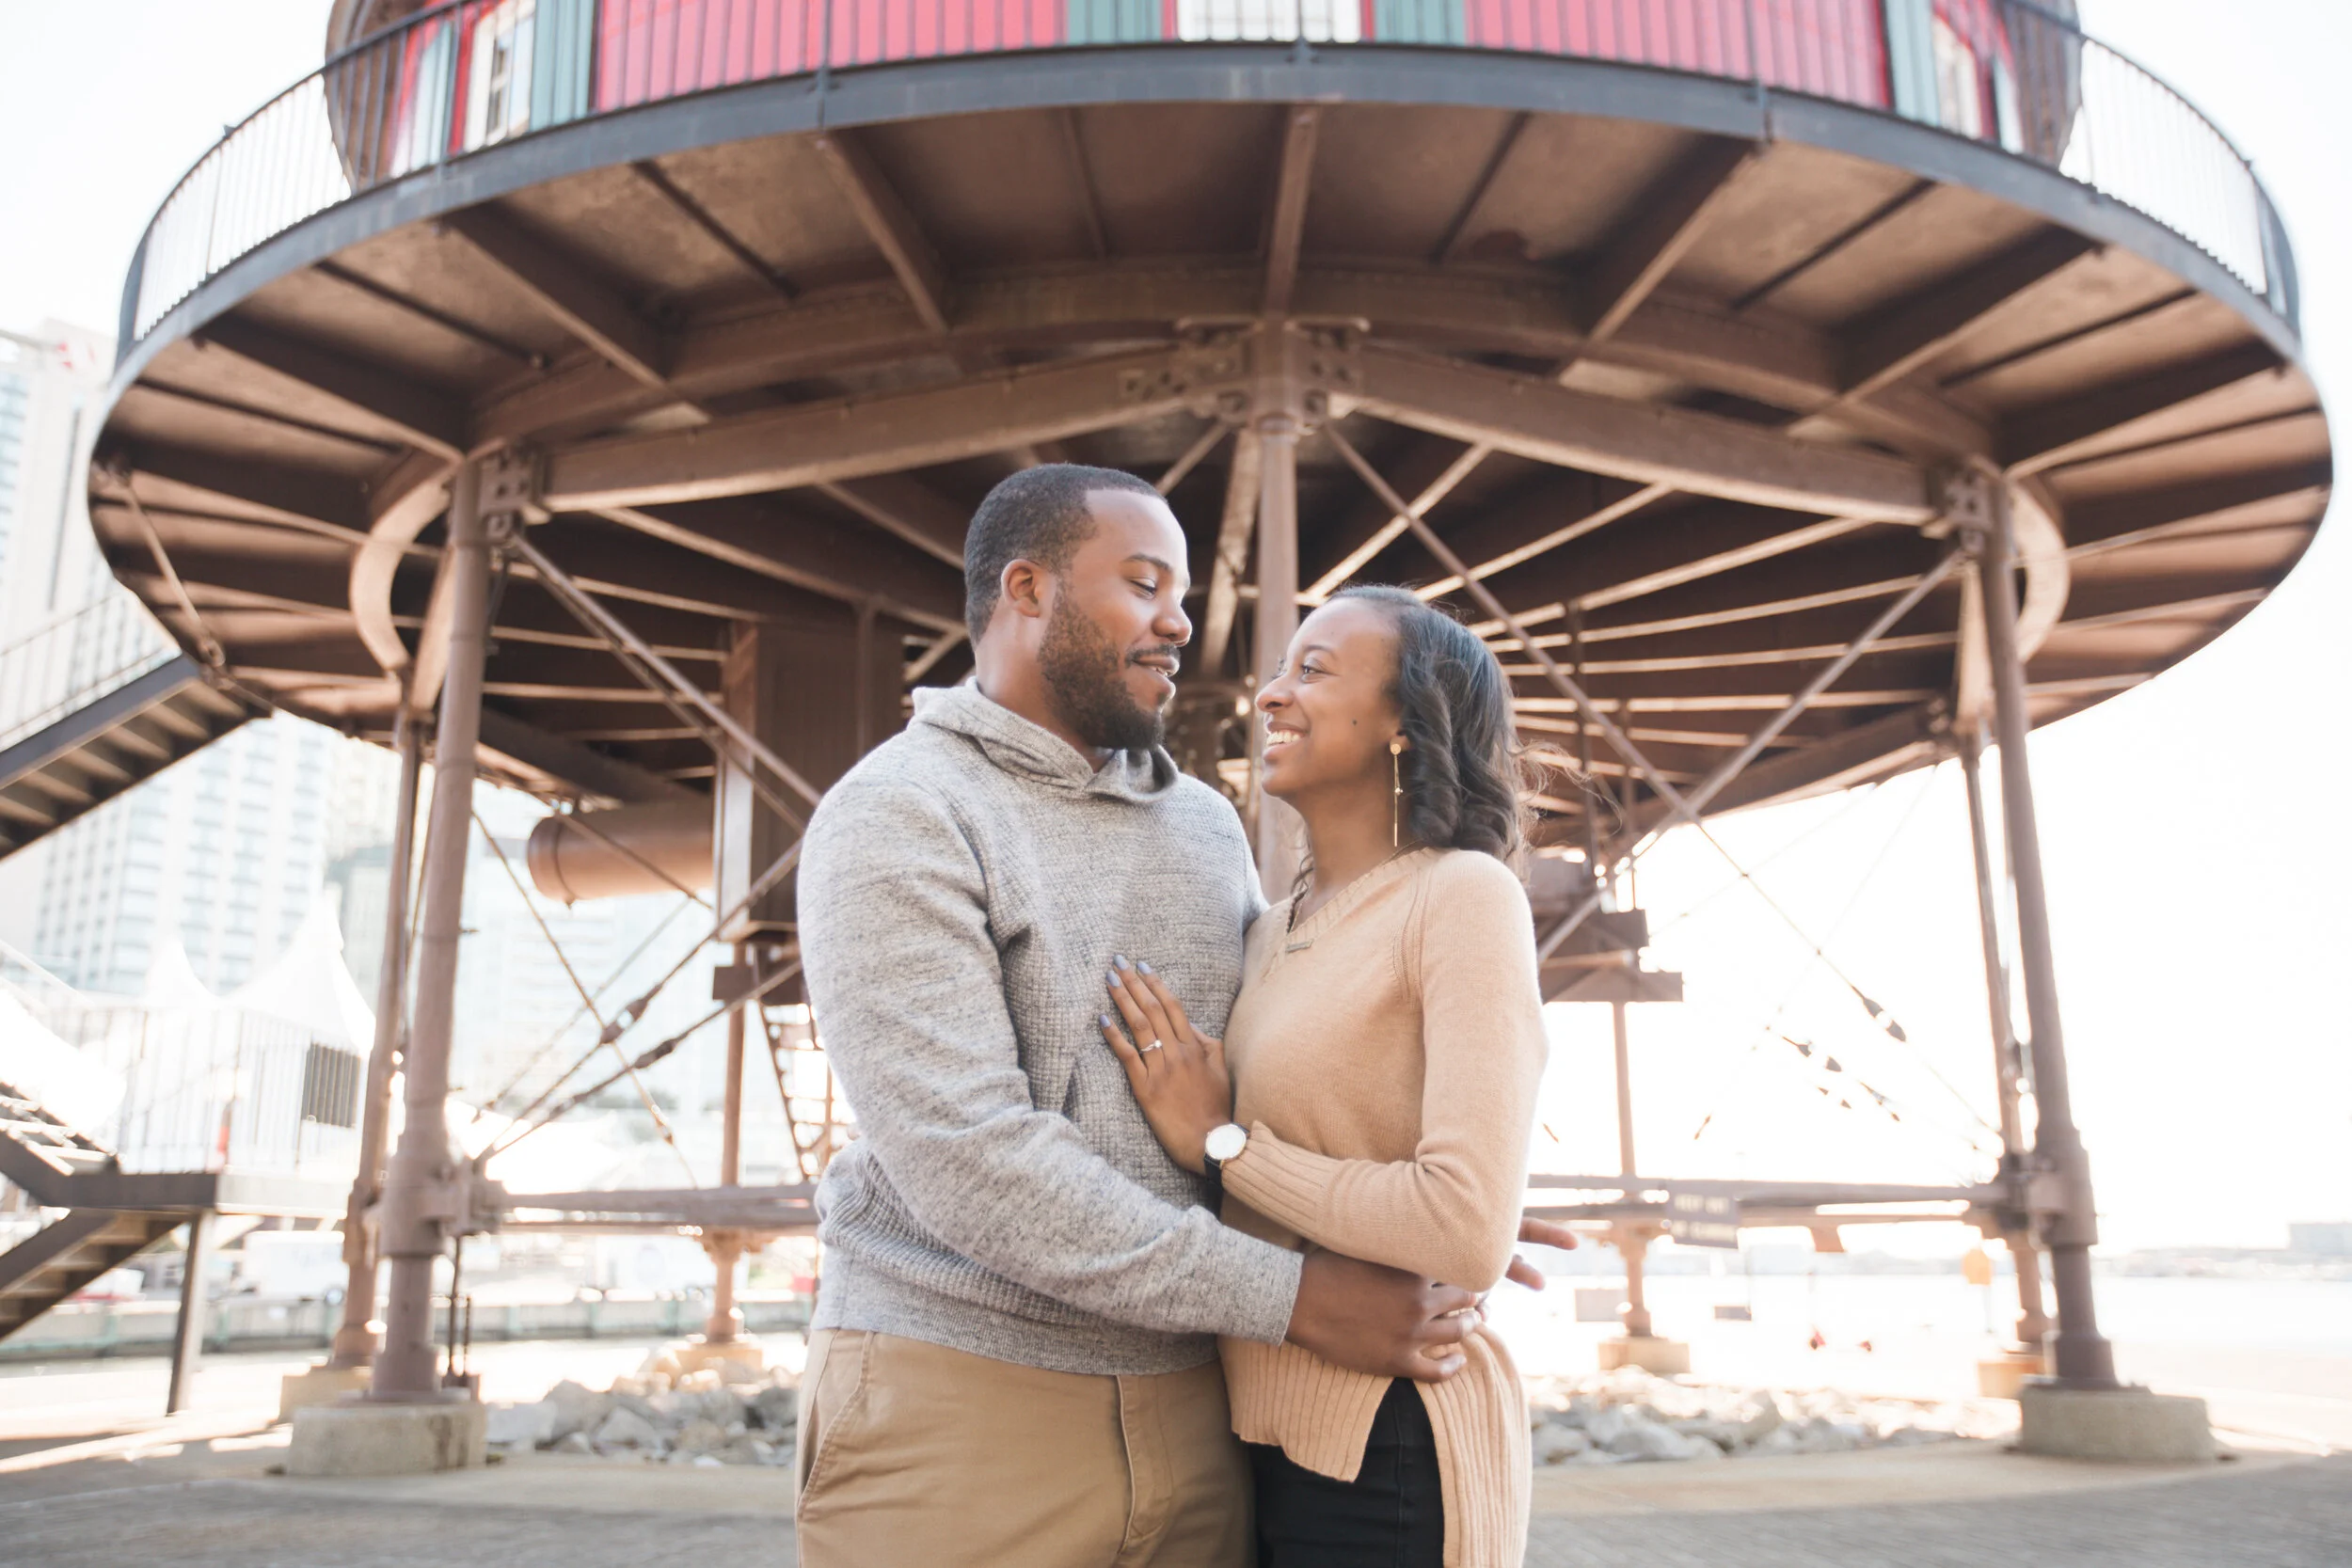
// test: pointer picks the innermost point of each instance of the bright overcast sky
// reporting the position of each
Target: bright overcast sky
(2199, 852)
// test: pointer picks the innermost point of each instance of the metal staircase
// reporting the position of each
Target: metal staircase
(92, 704)
(43, 1155)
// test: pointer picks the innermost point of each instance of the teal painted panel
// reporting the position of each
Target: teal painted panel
(1911, 58)
(1434, 22)
(561, 52)
(1114, 22)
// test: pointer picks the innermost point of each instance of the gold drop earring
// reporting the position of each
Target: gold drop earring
(1396, 791)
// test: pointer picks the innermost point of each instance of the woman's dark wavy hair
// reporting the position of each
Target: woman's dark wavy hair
(1465, 777)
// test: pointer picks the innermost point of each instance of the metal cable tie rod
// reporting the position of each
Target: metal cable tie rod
(617, 630)
(1733, 766)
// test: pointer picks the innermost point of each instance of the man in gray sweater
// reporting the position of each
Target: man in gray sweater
(1014, 1352)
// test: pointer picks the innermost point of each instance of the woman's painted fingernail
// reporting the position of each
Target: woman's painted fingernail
(1119, 960)
(1112, 976)
(1102, 1019)
(1141, 965)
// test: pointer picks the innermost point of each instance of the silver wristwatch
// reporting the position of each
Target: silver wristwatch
(1224, 1142)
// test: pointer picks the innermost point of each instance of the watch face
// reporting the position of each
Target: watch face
(1225, 1140)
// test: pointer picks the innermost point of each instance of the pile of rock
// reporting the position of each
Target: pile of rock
(723, 1415)
(1629, 1415)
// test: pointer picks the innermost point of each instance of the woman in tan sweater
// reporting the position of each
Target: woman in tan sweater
(1384, 1056)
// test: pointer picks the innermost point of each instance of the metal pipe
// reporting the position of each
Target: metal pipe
(2033, 1321)
(1633, 1244)
(354, 1340)
(188, 1334)
(2081, 1357)
(662, 845)
(1625, 1090)
(412, 1234)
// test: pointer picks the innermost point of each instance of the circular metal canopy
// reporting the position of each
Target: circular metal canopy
(1674, 374)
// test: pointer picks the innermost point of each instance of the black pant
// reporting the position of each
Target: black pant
(1389, 1516)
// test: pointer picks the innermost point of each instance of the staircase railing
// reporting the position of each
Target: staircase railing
(75, 658)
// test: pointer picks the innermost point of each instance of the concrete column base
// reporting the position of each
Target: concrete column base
(2000, 1377)
(2127, 1424)
(321, 1385)
(357, 1438)
(680, 1357)
(1661, 1357)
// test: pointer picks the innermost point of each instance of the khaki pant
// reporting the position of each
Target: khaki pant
(914, 1455)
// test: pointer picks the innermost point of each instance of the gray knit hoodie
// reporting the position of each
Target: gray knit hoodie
(963, 890)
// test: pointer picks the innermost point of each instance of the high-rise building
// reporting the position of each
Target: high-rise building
(50, 383)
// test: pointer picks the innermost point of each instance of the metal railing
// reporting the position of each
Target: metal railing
(469, 75)
(75, 658)
(206, 1085)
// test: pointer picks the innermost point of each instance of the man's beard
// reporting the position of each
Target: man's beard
(1087, 677)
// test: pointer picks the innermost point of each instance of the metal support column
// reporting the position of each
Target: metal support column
(2033, 1322)
(2081, 1356)
(1630, 1243)
(1279, 423)
(726, 1246)
(187, 1336)
(412, 1228)
(355, 1339)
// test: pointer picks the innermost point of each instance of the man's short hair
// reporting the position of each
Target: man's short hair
(1037, 514)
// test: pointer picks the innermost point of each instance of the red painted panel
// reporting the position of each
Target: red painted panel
(655, 49)
(1830, 48)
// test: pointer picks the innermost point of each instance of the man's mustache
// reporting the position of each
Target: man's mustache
(1166, 650)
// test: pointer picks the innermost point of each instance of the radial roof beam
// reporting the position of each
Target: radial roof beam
(908, 507)
(1431, 471)
(1622, 500)
(1286, 223)
(820, 557)
(607, 561)
(529, 748)
(1881, 747)
(814, 443)
(291, 495)
(566, 292)
(1906, 335)
(1669, 222)
(1535, 417)
(719, 233)
(2097, 525)
(377, 397)
(889, 223)
(2042, 437)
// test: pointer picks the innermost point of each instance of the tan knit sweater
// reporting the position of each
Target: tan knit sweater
(1386, 1055)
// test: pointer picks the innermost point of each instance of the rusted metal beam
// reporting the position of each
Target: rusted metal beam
(1624, 504)
(1286, 219)
(1904, 336)
(527, 746)
(759, 536)
(2097, 525)
(377, 397)
(908, 507)
(295, 496)
(1428, 474)
(567, 291)
(1232, 558)
(2037, 438)
(853, 437)
(1536, 417)
(719, 233)
(1667, 222)
(888, 223)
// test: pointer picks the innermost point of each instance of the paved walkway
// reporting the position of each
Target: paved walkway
(2294, 1514)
